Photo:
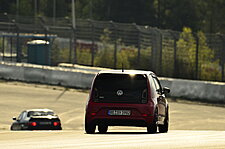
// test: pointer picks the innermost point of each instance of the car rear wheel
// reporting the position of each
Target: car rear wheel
(102, 128)
(12, 128)
(152, 128)
(90, 128)
(164, 128)
(15, 127)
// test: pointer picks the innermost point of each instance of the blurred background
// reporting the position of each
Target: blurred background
(179, 39)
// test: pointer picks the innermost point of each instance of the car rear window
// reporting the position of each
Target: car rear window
(39, 113)
(120, 88)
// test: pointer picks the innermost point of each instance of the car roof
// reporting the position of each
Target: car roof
(46, 110)
(125, 72)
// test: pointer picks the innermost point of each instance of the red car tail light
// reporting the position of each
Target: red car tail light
(56, 123)
(144, 115)
(33, 124)
(93, 114)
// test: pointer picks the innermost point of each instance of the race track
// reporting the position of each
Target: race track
(116, 139)
(191, 125)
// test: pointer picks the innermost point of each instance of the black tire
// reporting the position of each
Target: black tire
(15, 127)
(102, 128)
(152, 128)
(12, 128)
(59, 128)
(164, 128)
(90, 128)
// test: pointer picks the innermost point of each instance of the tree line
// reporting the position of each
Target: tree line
(205, 15)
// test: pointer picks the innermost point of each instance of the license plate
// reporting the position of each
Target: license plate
(45, 123)
(119, 112)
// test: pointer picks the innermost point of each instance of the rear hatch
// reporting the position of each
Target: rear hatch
(120, 95)
(120, 88)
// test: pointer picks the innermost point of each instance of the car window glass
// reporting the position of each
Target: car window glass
(157, 86)
(39, 113)
(123, 88)
(22, 115)
(152, 85)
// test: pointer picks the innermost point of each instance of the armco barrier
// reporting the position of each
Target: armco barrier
(189, 89)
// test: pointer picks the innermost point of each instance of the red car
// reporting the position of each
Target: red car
(127, 98)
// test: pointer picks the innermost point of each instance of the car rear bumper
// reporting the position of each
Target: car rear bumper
(44, 128)
(140, 114)
(120, 120)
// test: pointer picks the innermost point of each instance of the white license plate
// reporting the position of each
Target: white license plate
(45, 123)
(119, 112)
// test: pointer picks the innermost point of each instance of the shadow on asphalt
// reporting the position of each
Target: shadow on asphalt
(124, 133)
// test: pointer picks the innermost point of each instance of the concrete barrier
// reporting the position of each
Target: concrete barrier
(46, 75)
(189, 89)
(195, 90)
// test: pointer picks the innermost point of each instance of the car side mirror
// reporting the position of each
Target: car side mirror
(14, 118)
(158, 91)
(166, 90)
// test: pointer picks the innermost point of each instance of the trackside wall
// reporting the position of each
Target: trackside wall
(180, 88)
(46, 75)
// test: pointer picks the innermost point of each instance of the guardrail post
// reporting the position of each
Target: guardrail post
(115, 52)
(74, 46)
(18, 51)
(48, 59)
(174, 54)
(71, 45)
(115, 44)
(45, 30)
(222, 57)
(154, 50)
(223, 61)
(3, 47)
(196, 57)
(11, 49)
(138, 44)
(158, 52)
(92, 43)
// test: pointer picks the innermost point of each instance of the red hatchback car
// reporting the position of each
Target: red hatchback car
(127, 98)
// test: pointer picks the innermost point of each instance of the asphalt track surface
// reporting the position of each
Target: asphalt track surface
(192, 125)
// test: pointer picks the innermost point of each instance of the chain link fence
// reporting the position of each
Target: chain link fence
(116, 45)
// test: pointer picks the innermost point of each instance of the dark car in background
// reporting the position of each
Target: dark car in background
(36, 119)
(127, 98)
